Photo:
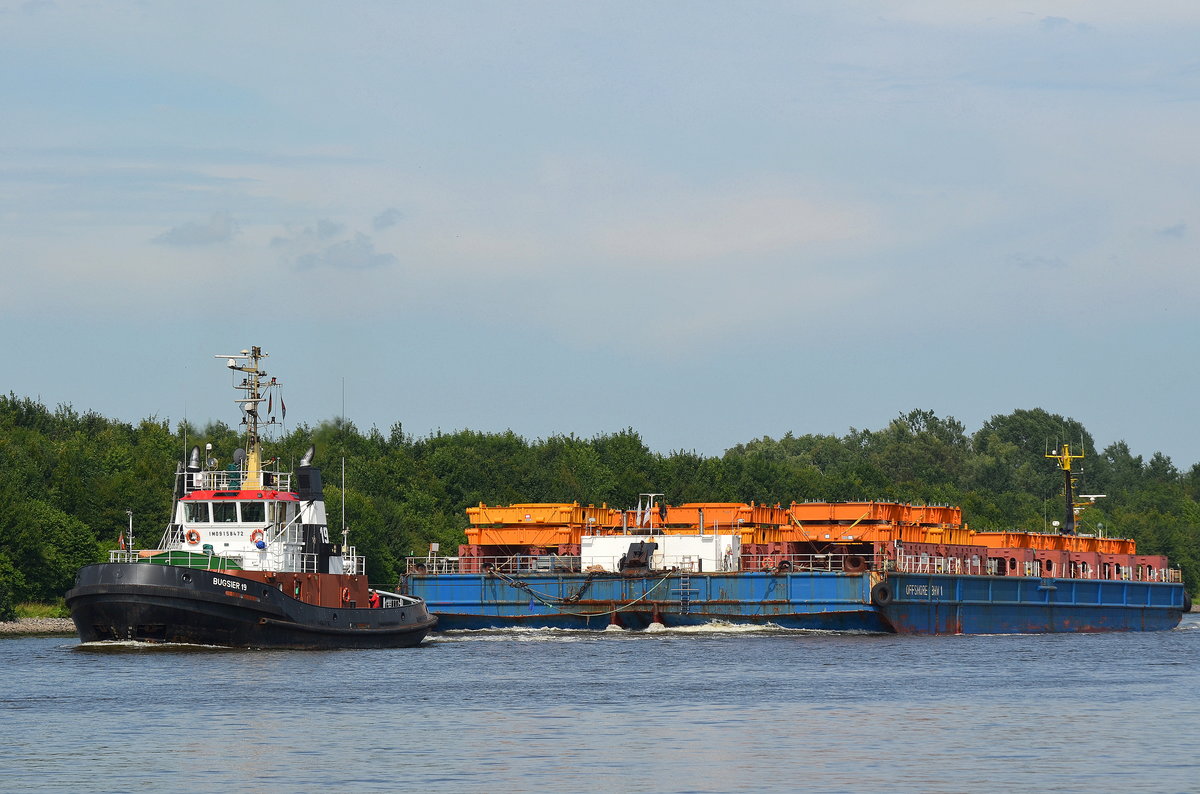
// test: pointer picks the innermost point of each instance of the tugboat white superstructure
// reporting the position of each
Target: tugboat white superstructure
(246, 560)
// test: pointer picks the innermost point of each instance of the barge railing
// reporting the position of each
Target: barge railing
(565, 563)
(978, 566)
(774, 563)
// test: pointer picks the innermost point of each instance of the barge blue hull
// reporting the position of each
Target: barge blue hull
(816, 600)
(822, 601)
(948, 604)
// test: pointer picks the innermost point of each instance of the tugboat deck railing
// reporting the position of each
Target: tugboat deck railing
(352, 563)
(388, 600)
(212, 562)
(231, 480)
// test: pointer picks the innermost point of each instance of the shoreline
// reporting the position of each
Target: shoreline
(24, 627)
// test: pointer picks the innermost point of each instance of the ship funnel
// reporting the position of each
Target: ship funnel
(308, 479)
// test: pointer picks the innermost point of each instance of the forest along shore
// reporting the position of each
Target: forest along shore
(23, 627)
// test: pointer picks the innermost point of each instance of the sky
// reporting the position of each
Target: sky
(707, 221)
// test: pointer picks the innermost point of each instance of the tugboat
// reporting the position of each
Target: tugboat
(246, 560)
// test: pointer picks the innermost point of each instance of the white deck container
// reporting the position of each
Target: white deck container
(707, 553)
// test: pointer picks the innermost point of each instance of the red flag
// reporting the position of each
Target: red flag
(283, 406)
(121, 540)
(270, 402)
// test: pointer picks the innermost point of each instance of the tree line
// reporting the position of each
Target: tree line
(70, 481)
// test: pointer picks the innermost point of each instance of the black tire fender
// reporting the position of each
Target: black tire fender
(881, 594)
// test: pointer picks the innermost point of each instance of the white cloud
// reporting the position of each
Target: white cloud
(357, 253)
(221, 228)
(315, 247)
(1073, 12)
(711, 227)
(386, 219)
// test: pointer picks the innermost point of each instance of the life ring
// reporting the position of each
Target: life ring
(345, 595)
(256, 536)
(193, 537)
(881, 594)
(854, 564)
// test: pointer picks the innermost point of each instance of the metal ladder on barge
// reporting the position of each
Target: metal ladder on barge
(685, 591)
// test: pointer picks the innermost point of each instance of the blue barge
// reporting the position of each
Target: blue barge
(850, 566)
(948, 604)
(887, 602)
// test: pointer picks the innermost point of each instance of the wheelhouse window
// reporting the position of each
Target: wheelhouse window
(195, 512)
(254, 512)
(224, 512)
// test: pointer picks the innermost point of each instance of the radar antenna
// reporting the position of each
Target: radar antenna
(249, 362)
(1065, 457)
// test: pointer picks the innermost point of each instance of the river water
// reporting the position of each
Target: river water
(688, 710)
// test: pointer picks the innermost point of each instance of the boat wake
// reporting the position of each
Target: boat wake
(712, 629)
(138, 646)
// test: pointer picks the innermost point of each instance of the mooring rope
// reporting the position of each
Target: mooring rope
(556, 603)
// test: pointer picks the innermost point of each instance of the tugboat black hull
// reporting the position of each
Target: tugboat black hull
(164, 603)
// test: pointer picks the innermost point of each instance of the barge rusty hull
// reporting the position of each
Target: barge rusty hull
(813, 600)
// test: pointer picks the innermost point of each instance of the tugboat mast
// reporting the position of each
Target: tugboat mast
(1064, 458)
(249, 362)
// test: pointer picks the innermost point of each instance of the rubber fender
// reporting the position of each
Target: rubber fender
(1187, 602)
(881, 594)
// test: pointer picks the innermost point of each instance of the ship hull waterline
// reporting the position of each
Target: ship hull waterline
(169, 604)
(816, 601)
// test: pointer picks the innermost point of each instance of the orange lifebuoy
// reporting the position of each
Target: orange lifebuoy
(193, 537)
(345, 595)
(256, 536)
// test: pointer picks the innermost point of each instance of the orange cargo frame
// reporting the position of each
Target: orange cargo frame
(559, 524)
